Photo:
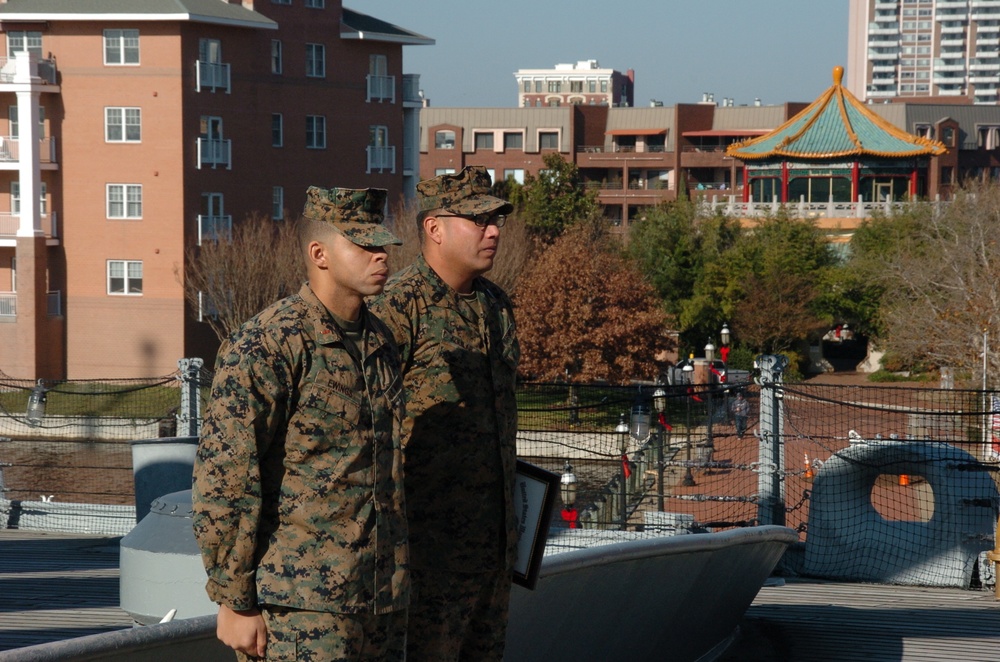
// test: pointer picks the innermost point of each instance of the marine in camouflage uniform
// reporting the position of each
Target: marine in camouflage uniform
(460, 352)
(298, 483)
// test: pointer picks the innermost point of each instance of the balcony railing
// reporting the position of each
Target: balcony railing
(729, 205)
(46, 69)
(215, 153)
(411, 88)
(214, 228)
(381, 159)
(212, 76)
(9, 224)
(8, 304)
(10, 152)
(382, 88)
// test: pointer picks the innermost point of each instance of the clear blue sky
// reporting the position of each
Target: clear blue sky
(778, 50)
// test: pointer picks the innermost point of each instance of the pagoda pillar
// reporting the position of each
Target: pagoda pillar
(784, 182)
(855, 181)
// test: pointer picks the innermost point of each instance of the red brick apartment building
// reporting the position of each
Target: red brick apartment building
(639, 157)
(133, 129)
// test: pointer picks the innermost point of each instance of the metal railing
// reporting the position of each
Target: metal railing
(212, 76)
(381, 159)
(215, 228)
(8, 304)
(10, 223)
(45, 69)
(729, 205)
(215, 152)
(10, 151)
(382, 88)
(411, 88)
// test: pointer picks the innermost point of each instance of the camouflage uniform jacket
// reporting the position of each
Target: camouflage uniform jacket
(298, 481)
(461, 418)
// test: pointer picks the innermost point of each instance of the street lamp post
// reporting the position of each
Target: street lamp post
(688, 480)
(660, 406)
(710, 357)
(622, 430)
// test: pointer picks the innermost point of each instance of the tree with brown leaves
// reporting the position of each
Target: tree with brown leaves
(582, 306)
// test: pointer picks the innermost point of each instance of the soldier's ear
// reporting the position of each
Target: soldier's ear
(316, 253)
(433, 228)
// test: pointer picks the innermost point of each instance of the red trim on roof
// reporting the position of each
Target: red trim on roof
(635, 132)
(727, 132)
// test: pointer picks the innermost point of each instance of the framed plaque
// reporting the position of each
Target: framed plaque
(535, 491)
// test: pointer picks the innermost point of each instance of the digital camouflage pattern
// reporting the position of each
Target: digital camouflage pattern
(298, 482)
(446, 601)
(355, 213)
(461, 418)
(310, 636)
(465, 193)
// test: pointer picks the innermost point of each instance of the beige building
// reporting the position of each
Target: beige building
(924, 48)
(132, 130)
(583, 83)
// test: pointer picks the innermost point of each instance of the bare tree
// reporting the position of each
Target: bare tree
(583, 305)
(942, 284)
(228, 282)
(516, 245)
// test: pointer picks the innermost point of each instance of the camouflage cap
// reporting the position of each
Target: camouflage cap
(355, 213)
(465, 193)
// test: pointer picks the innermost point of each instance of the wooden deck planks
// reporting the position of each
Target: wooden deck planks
(57, 586)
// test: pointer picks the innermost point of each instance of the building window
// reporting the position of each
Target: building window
(444, 140)
(517, 174)
(381, 155)
(15, 126)
(315, 131)
(19, 41)
(484, 141)
(527, 86)
(277, 130)
(492, 173)
(15, 199)
(276, 63)
(443, 171)
(989, 136)
(538, 86)
(592, 86)
(316, 4)
(604, 87)
(125, 277)
(315, 61)
(124, 200)
(281, 2)
(278, 203)
(122, 125)
(576, 86)
(553, 103)
(548, 140)
(121, 47)
(513, 141)
(555, 86)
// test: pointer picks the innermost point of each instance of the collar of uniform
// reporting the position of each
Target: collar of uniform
(326, 331)
(440, 289)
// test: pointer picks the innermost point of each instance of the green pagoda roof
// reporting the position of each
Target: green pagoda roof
(835, 125)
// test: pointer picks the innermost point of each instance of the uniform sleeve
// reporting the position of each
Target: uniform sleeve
(241, 420)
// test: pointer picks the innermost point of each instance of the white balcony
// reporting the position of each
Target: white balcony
(382, 88)
(214, 228)
(876, 29)
(988, 53)
(215, 153)
(948, 80)
(875, 56)
(212, 76)
(881, 93)
(10, 152)
(984, 78)
(983, 28)
(8, 304)
(985, 3)
(381, 159)
(10, 223)
(952, 41)
(951, 92)
(953, 29)
(884, 68)
(43, 69)
(992, 64)
(953, 4)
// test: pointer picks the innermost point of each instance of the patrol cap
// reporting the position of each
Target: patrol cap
(355, 213)
(466, 193)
